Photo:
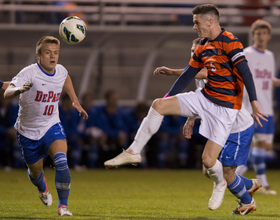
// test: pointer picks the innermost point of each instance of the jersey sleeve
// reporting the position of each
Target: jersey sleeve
(25, 75)
(235, 51)
(195, 60)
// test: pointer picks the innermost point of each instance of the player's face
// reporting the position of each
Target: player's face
(201, 25)
(48, 57)
(260, 37)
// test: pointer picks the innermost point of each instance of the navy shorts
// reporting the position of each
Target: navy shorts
(236, 150)
(33, 150)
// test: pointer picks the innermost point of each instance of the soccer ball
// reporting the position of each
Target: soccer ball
(72, 30)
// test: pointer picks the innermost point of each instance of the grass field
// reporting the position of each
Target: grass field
(130, 194)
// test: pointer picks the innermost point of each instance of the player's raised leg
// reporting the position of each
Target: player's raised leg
(57, 151)
(148, 127)
(36, 175)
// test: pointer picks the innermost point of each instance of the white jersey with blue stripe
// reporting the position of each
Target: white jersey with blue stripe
(38, 107)
(262, 66)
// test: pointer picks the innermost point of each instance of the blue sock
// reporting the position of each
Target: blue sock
(62, 178)
(248, 183)
(39, 182)
(258, 160)
(237, 188)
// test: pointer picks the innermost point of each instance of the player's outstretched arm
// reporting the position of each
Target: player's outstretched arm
(13, 91)
(202, 74)
(167, 71)
(68, 87)
(257, 113)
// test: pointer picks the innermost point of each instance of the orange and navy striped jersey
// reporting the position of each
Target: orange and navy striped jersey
(225, 84)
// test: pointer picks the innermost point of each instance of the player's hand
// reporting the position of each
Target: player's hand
(80, 110)
(188, 128)
(257, 113)
(163, 71)
(26, 86)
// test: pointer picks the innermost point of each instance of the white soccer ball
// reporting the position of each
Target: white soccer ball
(72, 30)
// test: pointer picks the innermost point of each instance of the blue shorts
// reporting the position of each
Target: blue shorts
(33, 150)
(236, 149)
(268, 127)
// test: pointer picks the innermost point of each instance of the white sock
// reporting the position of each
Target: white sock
(148, 127)
(263, 179)
(216, 173)
(241, 169)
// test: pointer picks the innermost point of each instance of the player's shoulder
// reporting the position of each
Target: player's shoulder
(229, 37)
(29, 70)
(269, 52)
(61, 69)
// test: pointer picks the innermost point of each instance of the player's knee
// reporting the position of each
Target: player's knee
(158, 105)
(229, 173)
(35, 172)
(207, 161)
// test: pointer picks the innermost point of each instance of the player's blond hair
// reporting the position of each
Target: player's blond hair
(260, 24)
(45, 40)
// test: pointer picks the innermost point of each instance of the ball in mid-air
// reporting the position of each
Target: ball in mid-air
(72, 30)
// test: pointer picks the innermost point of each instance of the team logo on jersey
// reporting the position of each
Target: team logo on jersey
(219, 52)
(47, 97)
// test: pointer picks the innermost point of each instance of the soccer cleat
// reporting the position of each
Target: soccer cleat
(46, 197)
(217, 195)
(244, 209)
(63, 210)
(256, 185)
(122, 159)
(267, 190)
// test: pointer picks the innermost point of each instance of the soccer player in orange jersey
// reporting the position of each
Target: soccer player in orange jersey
(217, 104)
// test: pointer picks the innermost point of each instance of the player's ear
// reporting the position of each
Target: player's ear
(38, 56)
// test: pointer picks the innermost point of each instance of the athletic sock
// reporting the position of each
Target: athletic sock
(62, 178)
(148, 127)
(39, 181)
(238, 188)
(258, 160)
(216, 173)
(248, 183)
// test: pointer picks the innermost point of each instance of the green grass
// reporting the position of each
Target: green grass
(130, 194)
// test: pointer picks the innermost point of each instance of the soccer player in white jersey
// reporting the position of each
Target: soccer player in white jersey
(40, 132)
(262, 65)
(235, 151)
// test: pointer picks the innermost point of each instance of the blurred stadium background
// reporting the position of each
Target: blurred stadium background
(126, 40)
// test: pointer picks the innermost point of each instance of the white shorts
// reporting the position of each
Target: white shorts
(267, 138)
(216, 121)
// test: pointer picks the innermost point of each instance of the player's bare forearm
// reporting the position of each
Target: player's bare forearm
(167, 71)
(202, 74)
(276, 82)
(5, 85)
(68, 87)
(13, 91)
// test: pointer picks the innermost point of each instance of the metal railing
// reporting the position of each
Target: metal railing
(134, 12)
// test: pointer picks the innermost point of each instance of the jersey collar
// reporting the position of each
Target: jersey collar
(46, 72)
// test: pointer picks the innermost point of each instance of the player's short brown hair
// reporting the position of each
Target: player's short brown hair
(45, 40)
(260, 24)
(206, 9)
